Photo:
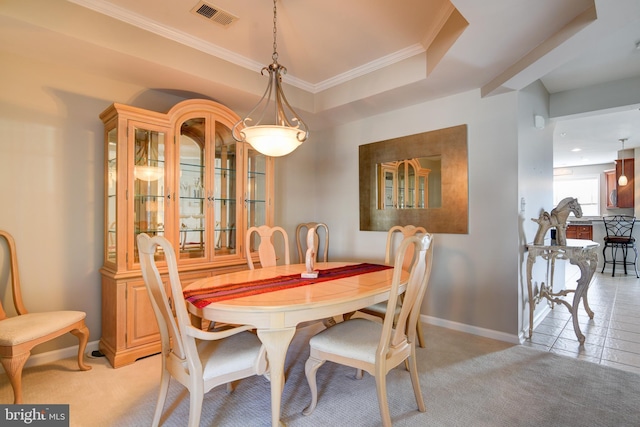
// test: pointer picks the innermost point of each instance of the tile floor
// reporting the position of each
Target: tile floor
(612, 337)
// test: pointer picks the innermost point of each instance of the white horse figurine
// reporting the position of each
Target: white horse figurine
(557, 219)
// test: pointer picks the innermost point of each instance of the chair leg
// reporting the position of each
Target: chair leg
(415, 382)
(624, 258)
(13, 367)
(635, 260)
(614, 253)
(420, 334)
(310, 370)
(381, 388)
(83, 337)
(604, 257)
(196, 396)
(162, 395)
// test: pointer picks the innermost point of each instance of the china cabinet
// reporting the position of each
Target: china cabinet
(403, 185)
(181, 175)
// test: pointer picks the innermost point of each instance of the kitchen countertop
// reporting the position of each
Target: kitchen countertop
(584, 220)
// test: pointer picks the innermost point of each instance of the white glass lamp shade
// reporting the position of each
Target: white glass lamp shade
(273, 140)
(147, 173)
(622, 181)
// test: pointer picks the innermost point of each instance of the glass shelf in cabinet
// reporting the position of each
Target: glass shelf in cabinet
(192, 165)
(225, 229)
(186, 230)
(149, 230)
(221, 169)
(149, 196)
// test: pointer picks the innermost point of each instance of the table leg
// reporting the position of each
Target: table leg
(530, 260)
(587, 263)
(276, 342)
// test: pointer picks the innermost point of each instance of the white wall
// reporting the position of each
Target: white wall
(475, 281)
(535, 191)
(51, 183)
(51, 173)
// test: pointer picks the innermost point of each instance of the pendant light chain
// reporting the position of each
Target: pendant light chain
(622, 156)
(285, 130)
(275, 31)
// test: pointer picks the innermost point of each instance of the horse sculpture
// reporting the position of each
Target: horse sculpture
(557, 219)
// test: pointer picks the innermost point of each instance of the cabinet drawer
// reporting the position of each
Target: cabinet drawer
(584, 232)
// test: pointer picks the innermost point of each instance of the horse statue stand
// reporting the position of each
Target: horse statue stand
(557, 219)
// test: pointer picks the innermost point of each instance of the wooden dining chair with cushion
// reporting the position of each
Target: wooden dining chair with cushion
(199, 360)
(395, 235)
(266, 245)
(20, 333)
(376, 347)
(301, 240)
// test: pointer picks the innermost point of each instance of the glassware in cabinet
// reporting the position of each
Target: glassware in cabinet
(191, 181)
(180, 175)
(111, 196)
(148, 184)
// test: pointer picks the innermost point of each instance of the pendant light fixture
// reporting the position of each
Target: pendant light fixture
(286, 131)
(622, 180)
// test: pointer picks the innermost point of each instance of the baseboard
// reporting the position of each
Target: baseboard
(54, 355)
(461, 327)
(63, 353)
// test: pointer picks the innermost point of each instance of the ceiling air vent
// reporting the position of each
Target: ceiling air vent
(214, 13)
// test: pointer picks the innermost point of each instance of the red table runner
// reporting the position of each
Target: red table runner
(205, 296)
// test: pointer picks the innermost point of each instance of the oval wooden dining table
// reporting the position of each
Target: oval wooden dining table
(275, 314)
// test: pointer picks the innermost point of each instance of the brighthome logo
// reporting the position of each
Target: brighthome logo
(34, 415)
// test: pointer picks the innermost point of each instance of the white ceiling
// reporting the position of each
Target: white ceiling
(349, 59)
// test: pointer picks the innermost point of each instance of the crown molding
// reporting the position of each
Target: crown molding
(142, 22)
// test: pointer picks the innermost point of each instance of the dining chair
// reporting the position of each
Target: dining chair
(301, 240)
(619, 229)
(199, 360)
(20, 333)
(376, 347)
(266, 248)
(395, 235)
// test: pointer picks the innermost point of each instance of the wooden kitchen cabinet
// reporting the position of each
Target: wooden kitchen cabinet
(626, 192)
(180, 175)
(584, 232)
(620, 196)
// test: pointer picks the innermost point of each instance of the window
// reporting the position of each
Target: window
(585, 188)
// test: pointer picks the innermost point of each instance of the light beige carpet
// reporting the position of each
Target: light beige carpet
(467, 381)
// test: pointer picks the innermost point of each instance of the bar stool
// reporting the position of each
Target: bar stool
(619, 236)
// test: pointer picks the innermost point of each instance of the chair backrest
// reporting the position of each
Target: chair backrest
(301, 240)
(395, 236)
(15, 277)
(266, 247)
(174, 340)
(398, 332)
(619, 226)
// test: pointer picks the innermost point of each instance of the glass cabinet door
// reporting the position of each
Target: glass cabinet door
(225, 191)
(191, 189)
(112, 179)
(402, 183)
(422, 190)
(411, 185)
(148, 184)
(256, 191)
